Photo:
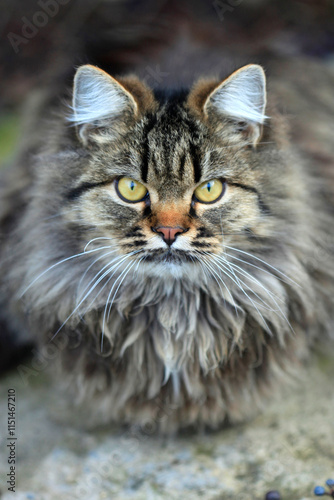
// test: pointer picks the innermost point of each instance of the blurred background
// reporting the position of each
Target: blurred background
(42, 41)
(169, 42)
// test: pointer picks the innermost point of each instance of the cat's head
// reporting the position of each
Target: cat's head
(171, 175)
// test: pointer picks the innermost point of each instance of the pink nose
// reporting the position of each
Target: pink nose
(169, 233)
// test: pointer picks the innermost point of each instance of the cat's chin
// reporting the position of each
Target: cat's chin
(170, 263)
(172, 257)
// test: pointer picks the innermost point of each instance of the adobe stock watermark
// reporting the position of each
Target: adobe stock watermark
(322, 252)
(101, 471)
(222, 7)
(283, 462)
(154, 76)
(46, 353)
(31, 27)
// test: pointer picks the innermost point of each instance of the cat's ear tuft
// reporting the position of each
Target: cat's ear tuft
(99, 102)
(241, 97)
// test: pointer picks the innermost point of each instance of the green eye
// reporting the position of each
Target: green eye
(130, 190)
(209, 191)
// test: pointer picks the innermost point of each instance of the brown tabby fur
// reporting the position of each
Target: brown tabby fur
(185, 333)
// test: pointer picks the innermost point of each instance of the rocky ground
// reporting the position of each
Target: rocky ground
(289, 448)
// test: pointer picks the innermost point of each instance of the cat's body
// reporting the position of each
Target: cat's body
(179, 310)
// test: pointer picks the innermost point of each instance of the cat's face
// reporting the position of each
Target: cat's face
(170, 178)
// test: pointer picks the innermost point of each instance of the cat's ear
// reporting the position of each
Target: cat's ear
(242, 98)
(100, 105)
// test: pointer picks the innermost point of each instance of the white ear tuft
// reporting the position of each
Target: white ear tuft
(242, 95)
(98, 96)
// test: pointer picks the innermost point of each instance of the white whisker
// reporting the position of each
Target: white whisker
(256, 267)
(91, 265)
(263, 262)
(99, 272)
(105, 316)
(95, 239)
(90, 291)
(126, 271)
(240, 281)
(237, 282)
(226, 287)
(269, 293)
(58, 264)
(242, 271)
(60, 214)
(140, 260)
(113, 268)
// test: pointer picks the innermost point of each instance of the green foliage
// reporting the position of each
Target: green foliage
(9, 134)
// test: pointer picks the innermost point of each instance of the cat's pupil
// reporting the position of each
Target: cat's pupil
(132, 185)
(208, 186)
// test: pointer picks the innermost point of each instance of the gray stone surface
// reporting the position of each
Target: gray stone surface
(289, 447)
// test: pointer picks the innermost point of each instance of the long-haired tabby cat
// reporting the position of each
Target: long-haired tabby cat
(172, 234)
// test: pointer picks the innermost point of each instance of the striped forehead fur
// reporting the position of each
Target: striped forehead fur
(171, 134)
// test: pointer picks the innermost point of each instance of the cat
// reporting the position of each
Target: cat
(162, 241)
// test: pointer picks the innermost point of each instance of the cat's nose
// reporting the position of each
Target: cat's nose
(169, 233)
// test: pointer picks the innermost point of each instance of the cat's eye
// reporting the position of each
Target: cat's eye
(130, 190)
(210, 191)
